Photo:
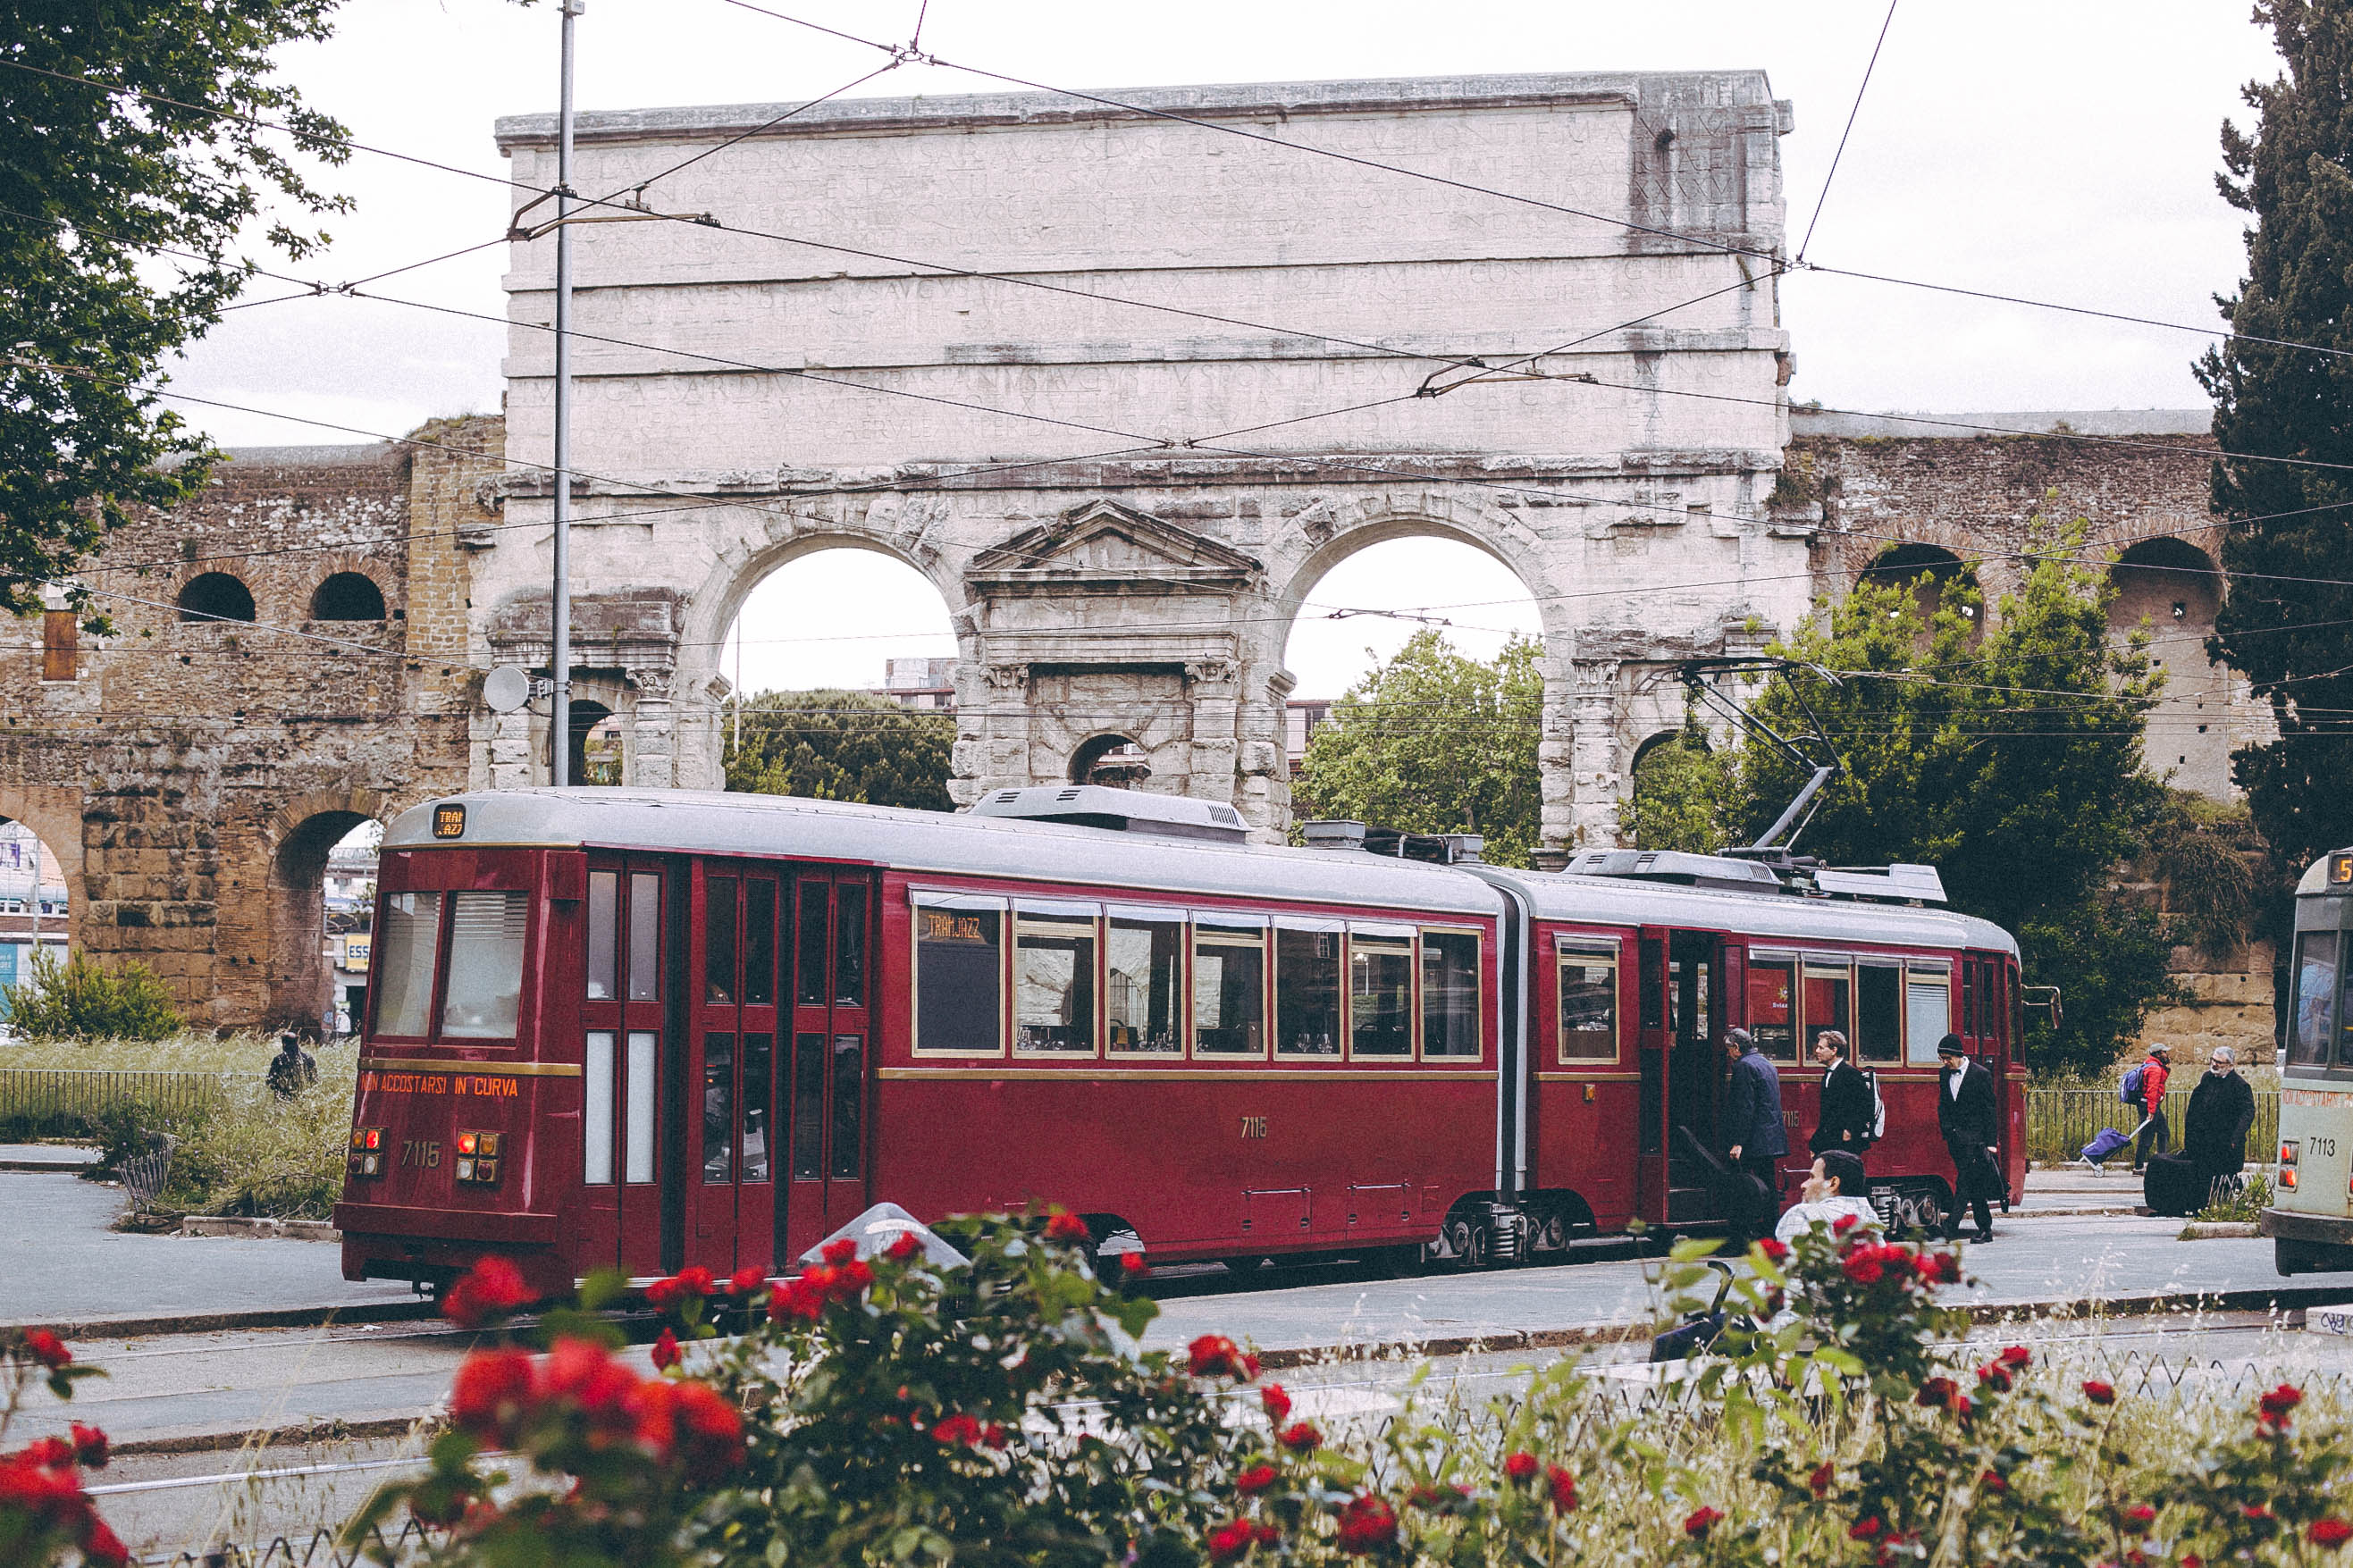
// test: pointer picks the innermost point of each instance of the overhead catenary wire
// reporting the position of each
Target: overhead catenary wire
(1880, 43)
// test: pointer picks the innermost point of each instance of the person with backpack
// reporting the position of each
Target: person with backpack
(2144, 1088)
(1849, 1100)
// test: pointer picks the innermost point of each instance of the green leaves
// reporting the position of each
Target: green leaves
(1435, 741)
(843, 745)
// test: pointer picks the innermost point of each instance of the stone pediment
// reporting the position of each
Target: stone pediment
(1105, 547)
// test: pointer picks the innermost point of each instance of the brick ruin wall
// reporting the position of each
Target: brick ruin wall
(192, 777)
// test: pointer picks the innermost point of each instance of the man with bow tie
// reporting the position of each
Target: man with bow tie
(1970, 1120)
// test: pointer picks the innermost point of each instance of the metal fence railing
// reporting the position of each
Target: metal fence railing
(2060, 1121)
(66, 1102)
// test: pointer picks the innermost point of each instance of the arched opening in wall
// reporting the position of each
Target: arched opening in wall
(1676, 794)
(1393, 617)
(347, 596)
(1931, 572)
(35, 911)
(595, 757)
(1115, 760)
(216, 597)
(842, 662)
(2169, 588)
(321, 901)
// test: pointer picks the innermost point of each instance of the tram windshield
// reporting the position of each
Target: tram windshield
(2316, 999)
(483, 991)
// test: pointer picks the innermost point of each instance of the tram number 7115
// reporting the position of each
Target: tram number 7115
(1253, 1126)
(421, 1152)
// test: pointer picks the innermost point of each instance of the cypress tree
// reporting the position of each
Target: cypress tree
(2288, 620)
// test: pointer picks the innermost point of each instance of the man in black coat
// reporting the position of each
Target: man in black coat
(1971, 1119)
(1846, 1108)
(1755, 1139)
(2221, 1110)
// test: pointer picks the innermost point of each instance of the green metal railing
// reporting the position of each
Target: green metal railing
(66, 1102)
(2060, 1121)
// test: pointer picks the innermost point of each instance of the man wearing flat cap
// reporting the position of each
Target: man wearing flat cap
(1968, 1117)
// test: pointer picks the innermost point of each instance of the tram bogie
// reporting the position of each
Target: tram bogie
(710, 1029)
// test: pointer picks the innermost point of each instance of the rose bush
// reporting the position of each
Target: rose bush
(45, 1517)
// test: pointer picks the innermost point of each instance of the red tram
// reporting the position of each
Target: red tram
(663, 1029)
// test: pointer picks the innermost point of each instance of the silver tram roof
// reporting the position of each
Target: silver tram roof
(963, 844)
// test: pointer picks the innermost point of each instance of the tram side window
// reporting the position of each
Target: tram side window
(808, 1107)
(1229, 991)
(1380, 995)
(1879, 1011)
(759, 941)
(959, 984)
(596, 1110)
(759, 1068)
(1450, 994)
(604, 935)
(1828, 996)
(1927, 1012)
(1589, 1002)
(1307, 993)
(718, 1106)
(719, 940)
(1653, 962)
(1053, 985)
(849, 946)
(1143, 959)
(810, 990)
(2316, 992)
(1772, 1006)
(404, 963)
(645, 936)
(485, 987)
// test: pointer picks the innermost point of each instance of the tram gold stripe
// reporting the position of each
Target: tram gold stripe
(481, 1069)
(1611, 1076)
(1014, 1075)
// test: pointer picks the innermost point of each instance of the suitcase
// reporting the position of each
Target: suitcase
(2173, 1186)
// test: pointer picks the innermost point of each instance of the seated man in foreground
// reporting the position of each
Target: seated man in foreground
(1835, 1188)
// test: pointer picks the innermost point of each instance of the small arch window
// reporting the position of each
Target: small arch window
(216, 597)
(347, 596)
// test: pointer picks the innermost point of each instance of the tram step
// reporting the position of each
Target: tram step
(1690, 1202)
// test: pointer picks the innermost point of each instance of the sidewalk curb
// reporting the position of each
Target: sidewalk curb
(49, 1167)
(262, 1229)
(189, 1441)
(219, 1322)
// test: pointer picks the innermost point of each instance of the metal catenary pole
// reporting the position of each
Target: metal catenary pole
(559, 721)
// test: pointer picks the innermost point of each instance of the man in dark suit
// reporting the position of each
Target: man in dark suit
(1970, 1120)
(1754, 1140)
(1846, 1113)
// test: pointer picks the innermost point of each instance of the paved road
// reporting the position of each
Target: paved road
(60, 1263)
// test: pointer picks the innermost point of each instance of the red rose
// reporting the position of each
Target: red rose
(1844, 1223)
(1214, 1355)
(586, 1373)
(89, 1446)
(1264, 1533)
(1368, 1523)
(1276, 1403)
(1862, 1267)
(1230, 1540)
(1701, 1522)
(906, 1249)
(2276, 1405)
(1992, 1481)
(2141, 1513)
(1774, 1251)
(797, 1297)
(1563, 1486)
(1937, 1394)
(666, 1353)
(1255, 1480)
(2329, 1531)
(1302, 1438)
(1520, 1465)
(1945, 1268)
(48, 1453)
(2017, 1356)
(1866, 1529)
(1066, 1226)
(100, 1545)
(2100, 1393)
(1994, 1376)
(746, 1280)
(2255, 1510)
(490, 1394)
(693, 1422)
(492, 1290)
(1134, 1262)
(993, 1434)
(696, 1281)
(1824, 1474)
(839, 1252)
(958, 1431)
(48, 1349)
(1249, 1367)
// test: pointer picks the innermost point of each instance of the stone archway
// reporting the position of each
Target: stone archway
(54, 815)
(299, 835)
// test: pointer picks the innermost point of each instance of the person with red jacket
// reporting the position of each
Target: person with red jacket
(2153, 1130)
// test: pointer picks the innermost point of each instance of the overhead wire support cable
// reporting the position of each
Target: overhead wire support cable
(1857, 109)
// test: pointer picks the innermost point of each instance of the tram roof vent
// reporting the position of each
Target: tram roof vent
(1897, 884)
(1334, 833)
(1717, 871)
(1119, 811)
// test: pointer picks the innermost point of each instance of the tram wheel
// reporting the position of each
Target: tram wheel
(1472, 1244)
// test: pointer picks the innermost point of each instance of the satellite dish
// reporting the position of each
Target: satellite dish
(505, 689)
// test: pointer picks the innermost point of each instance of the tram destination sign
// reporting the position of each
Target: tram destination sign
(449, 820)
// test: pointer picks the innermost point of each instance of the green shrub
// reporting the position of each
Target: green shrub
(79, 1000)
(251, 1153)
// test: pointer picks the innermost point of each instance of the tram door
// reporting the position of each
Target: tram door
(732, 1045)
(625, 1060)
(832, 984)
(1681, 998)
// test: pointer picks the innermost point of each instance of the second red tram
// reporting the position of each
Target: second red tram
(664, 1030)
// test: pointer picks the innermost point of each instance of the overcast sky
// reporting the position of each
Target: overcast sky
(2062, 152)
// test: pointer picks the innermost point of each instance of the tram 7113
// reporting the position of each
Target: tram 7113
(659, 1029)
(2311, 1219)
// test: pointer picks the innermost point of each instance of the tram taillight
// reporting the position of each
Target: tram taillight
(477, 1158)
(367, 1152)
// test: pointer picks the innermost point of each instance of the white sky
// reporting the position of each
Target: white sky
(2062, 152)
